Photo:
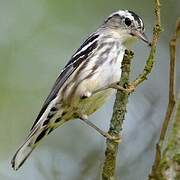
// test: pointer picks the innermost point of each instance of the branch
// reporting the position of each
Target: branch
(170, 162)
(119, 111)
(120, 104)
(156, 172)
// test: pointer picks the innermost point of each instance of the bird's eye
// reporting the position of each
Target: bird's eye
(127, 21)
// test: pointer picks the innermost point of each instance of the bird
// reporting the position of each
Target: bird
(85, 83)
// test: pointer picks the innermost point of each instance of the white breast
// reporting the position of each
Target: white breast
(108, 73)
(111, 70)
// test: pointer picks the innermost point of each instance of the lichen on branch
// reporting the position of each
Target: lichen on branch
(119, 111)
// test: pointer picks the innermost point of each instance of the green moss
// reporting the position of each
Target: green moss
(176, 158)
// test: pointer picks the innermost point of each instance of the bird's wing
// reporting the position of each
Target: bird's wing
(79, 56)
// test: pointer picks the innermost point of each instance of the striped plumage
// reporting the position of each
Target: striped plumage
(96, 64)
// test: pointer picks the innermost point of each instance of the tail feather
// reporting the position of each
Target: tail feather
(25, 150)
(45, 124)
(41, 130)
(21, 155)
(32, 141)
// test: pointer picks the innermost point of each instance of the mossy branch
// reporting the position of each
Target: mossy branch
(119, 111)
(169, 164)
(120, 104)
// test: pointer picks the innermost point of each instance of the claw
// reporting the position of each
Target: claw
(130, 88)
(118, 87)
(116, 139)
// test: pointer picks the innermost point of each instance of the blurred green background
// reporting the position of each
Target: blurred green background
(37, 38)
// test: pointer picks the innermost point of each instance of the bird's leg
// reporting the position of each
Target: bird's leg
(116, 85)
(129, 89)
(84, 118)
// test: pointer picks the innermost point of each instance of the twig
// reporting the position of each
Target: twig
(156, 173)
(120, 104)
(171, 104)
(150, 61)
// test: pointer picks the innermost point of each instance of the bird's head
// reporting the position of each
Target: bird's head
(128, 25)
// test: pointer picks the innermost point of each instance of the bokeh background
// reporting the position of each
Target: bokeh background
(37, 38)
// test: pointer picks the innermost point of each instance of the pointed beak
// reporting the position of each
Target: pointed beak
(140, 35)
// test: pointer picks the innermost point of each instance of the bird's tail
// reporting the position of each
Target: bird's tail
(31, 142)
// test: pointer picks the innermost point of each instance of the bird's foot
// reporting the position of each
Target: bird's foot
(130, 88)
(116, 139)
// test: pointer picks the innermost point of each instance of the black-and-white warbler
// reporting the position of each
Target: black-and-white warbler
(85, 83)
